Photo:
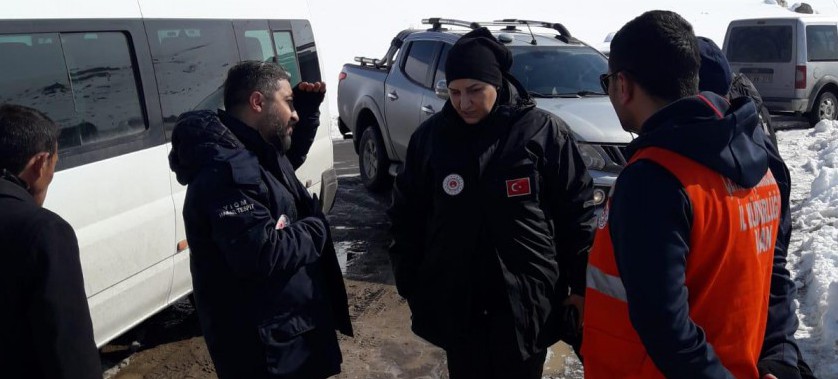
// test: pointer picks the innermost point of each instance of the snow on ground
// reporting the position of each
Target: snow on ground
(812, 157)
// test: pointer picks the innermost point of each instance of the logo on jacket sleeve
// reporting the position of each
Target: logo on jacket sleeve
(518, 187)
(453, 184)
(236, 208)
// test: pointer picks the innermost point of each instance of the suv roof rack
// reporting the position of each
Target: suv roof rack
(509, 23)
(563, 32)
(437, 23)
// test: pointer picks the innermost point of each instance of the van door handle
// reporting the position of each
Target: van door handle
(428, 109)
(393, 95)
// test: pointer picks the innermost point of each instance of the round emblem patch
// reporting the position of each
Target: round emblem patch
(453, 184)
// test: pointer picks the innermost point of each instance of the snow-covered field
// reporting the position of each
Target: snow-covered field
(812, 157)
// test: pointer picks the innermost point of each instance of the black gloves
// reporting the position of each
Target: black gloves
(306, 102)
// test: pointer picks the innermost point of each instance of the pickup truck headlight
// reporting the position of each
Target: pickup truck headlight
(594, 156)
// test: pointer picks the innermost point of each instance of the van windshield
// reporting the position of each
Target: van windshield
(760, 44)
(550, 71)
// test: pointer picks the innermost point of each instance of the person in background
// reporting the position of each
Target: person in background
(47, 332)
(679, 277)
(780, 355)
(492, 219)
(268, 288)
(717, 77)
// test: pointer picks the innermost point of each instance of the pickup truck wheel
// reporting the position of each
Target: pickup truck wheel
(372, 160)
(826, 108)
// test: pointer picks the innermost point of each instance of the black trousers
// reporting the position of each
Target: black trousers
(490, 352)
(479, 363)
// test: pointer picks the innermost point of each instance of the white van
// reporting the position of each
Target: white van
(793, 62)
(115, 75)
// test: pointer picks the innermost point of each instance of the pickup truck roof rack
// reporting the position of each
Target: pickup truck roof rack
(387, 60)
(438, 22)
(511, 24)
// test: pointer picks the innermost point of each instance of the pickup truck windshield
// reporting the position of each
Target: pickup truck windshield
(550, 71)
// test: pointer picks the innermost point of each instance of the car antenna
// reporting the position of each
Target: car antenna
(533, 42)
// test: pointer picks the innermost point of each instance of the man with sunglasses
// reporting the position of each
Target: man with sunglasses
(268, 288)
(680, 273)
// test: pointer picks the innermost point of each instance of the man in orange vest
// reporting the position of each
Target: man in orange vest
(680, 272)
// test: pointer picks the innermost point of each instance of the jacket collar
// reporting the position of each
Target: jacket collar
(249, 137)
(14, 187)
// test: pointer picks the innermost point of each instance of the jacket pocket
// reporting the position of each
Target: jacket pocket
(284, 340)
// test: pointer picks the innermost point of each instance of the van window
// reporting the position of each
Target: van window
(257, 45)
(92, 96)
(286, 55)
(821, 41)
(419, 59)
(191, 59)
(761, 44)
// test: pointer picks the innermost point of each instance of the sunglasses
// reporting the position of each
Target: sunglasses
(605, 79)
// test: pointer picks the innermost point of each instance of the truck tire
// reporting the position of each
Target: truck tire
(373, 161)
(825, 108)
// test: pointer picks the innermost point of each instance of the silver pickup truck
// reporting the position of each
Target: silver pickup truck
(382, 101)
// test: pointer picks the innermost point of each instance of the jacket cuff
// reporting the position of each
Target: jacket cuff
(779, 369)
(783, 352)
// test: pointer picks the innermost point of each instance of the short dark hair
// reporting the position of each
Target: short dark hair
(249, 76)
(24, 132)
(659, 50)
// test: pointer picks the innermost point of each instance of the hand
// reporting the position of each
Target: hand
(769, 376)
(316, 209)
(578, 302)
(318, 87)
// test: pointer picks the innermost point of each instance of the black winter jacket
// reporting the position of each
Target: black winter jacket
(267, 285)
(651, 242)
(493, 217)
(46, 331)
(779, 344)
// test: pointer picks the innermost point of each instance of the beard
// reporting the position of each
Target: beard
(284, 140)
(276, 132)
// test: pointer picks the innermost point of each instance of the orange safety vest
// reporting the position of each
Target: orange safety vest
(728, 275)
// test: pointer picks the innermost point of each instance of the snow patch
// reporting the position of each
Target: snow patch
(813, 257)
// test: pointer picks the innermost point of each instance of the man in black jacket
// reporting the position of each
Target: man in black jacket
(267, 285)
(46, 331)
(780, 354)
(491, 220)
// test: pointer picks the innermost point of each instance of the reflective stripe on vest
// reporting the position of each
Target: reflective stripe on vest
(607, 284)
(734, 225)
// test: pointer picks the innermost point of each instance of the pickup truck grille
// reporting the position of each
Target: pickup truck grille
(616, 153)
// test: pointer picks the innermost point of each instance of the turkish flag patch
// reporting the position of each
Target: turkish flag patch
(518, 187)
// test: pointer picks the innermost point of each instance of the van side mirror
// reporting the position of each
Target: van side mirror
(441, 89)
